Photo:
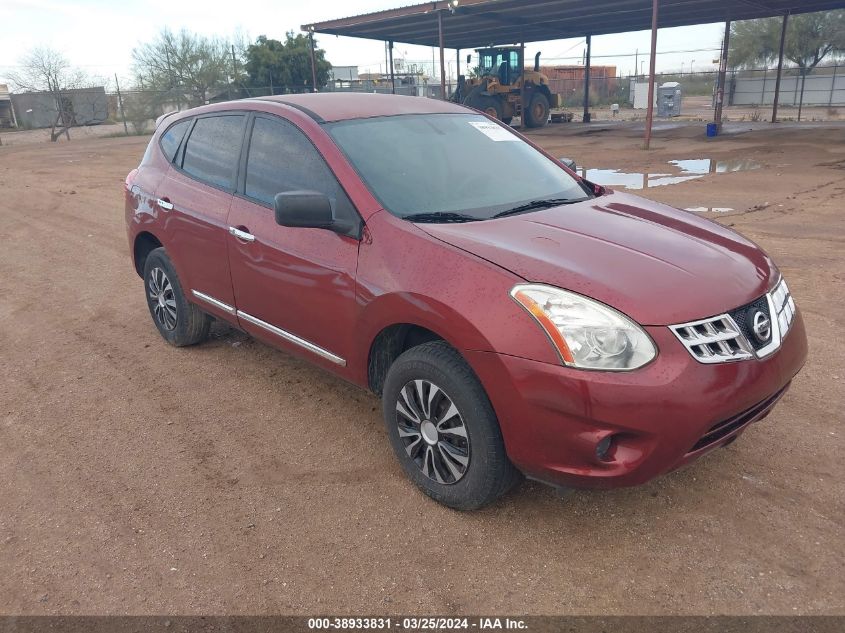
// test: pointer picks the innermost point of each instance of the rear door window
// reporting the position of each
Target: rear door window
(213, 149)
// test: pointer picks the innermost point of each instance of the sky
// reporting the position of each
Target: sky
(98, 35)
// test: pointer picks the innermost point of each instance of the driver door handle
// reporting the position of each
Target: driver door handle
(241, 235)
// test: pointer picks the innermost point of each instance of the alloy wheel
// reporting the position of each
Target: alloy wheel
(432, 431)
(162, 298)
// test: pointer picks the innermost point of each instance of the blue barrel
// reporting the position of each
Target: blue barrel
(712, 130)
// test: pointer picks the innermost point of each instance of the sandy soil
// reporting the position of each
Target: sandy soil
(233, 478)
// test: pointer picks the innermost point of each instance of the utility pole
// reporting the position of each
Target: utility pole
(235, 67)
(392, 74)
(433, 74)
(120, 103)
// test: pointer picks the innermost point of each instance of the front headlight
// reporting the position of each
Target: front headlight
(587, 334)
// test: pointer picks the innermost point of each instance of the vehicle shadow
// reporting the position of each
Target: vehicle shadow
(690, 486)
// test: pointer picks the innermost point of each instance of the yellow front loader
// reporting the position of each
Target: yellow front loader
(497, 87)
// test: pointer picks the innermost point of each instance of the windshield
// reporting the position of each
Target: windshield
(454, 166)
(491, 60)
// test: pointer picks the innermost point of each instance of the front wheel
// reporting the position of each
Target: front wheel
(488, 104)
(444, 430)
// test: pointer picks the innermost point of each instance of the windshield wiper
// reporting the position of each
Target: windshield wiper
(538, 204)
(439, 216)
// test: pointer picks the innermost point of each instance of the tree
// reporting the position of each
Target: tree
(810, 38)
(139, 108)
(184, 66)
(44, 69)
(282, 67)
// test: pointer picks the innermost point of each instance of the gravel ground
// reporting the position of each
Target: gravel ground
(231, 478)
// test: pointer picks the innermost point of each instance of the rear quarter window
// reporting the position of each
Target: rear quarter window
(171, 139)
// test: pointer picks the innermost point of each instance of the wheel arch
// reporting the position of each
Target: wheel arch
(144, 244)
(402, 328)
(544, 88)
(389, 344)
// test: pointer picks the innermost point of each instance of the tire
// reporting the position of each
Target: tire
(179, 322)
(537, 112)
(457, 459)
(487, 104)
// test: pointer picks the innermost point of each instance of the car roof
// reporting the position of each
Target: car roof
(340, 106)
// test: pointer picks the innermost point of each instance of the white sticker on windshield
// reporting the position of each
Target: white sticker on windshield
(493, 131)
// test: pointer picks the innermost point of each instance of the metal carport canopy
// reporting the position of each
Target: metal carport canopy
(476, 23)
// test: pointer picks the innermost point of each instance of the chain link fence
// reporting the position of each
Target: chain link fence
(749, 96)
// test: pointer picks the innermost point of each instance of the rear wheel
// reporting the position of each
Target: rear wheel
(444, 430)
(537, 112)
(179, 322)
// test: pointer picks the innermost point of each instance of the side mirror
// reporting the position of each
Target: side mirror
(568, 162)
(469, 59)
(305, 209)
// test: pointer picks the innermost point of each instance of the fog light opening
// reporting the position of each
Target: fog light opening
(605, 448)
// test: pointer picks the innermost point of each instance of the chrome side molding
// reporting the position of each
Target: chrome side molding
(283, 334)
(293, 338)
(215, 302)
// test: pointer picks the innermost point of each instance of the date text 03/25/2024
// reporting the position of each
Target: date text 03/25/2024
(417, 623)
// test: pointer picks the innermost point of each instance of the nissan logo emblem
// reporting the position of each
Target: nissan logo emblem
(761, 326)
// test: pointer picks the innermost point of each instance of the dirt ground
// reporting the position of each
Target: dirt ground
(231, 478)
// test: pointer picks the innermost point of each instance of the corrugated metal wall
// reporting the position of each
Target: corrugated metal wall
(38, 109)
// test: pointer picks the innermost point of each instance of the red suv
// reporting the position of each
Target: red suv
(514, 317)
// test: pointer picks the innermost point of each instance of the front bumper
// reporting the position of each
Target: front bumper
(662, 416)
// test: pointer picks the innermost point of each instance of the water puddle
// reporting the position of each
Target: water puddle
(707, 166)
(710, 209)
(690, 169)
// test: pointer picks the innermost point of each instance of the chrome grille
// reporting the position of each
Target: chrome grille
(783, 305)
(714, 340)
(721, 339)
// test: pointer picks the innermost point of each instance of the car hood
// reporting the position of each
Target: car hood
(657, 264)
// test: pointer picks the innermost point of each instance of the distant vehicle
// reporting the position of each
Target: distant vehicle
(497, 88)
(514, 317)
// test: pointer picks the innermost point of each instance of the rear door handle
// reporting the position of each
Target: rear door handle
(241, 235)
(165, 204)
